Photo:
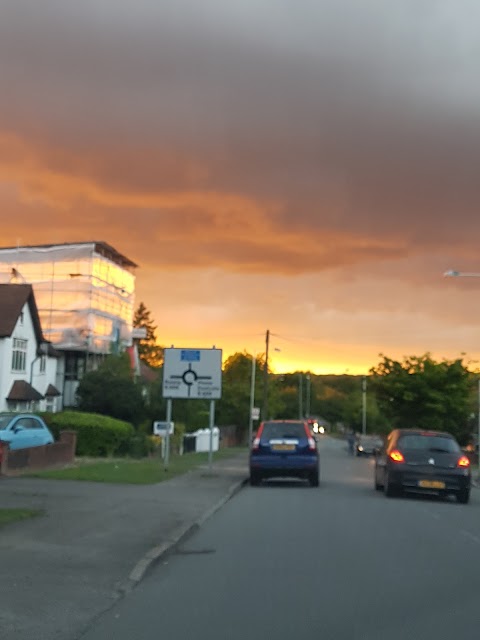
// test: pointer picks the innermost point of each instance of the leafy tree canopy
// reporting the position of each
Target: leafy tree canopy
(421, 393)
(112, 391)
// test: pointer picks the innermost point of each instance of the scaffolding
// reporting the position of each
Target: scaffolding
(84, 293)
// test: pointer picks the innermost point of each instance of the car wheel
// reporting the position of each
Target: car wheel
(314, 479)
(389, 489)
(254, 478)
(378, 486)
(463, 496)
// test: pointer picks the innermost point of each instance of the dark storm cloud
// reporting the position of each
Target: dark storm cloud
(331, 119)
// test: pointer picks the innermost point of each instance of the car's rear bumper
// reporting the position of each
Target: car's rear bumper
(292, 465)
(417, 480)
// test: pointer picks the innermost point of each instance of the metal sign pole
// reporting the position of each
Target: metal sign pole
(167, 435)
(212, 422)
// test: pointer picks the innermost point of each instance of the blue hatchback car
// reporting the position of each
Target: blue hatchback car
(284, 448)
(22, 430)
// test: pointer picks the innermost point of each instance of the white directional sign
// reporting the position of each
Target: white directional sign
(192, 373)
(161, 428)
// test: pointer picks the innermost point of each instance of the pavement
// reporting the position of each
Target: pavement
(95, 542)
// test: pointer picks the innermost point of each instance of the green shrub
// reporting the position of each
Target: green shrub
(139, 446)
(97, 435)
(176, 441)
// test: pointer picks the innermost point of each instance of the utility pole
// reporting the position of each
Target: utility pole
(265, 378)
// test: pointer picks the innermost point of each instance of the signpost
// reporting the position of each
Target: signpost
(193, 374)
(164, 429)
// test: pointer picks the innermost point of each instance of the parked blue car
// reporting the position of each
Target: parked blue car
(22, 430)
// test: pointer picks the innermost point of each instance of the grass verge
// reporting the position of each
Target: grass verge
(148, 471)
(12, 515)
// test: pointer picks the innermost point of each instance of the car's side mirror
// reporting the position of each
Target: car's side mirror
(17, 429)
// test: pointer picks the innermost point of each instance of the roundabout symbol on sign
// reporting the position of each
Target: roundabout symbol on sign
(190, 377)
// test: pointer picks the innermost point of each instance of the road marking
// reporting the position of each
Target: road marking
(471, 536)
(431, 513)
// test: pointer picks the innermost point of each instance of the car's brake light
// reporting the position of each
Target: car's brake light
(396, 456)
(463, 462)
(256, 441)
(312, 445)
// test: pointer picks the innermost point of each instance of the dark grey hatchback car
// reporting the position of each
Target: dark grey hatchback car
(422, 462)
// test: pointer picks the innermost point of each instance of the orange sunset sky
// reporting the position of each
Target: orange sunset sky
(312, 172)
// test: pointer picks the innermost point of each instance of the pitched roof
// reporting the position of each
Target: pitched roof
(22, 390)
(12, 300)
(52, 391)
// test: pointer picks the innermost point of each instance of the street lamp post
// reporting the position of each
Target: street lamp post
(364, 405)
(478, 434)
(307, 402)
(451, 273)
(300, 396)
(252, 400)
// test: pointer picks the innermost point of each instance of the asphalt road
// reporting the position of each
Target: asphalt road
(340, 562)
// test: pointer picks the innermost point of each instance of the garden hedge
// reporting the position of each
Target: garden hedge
(97, 435)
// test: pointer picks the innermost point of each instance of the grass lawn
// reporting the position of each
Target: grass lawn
(148, 471)
(11, 515)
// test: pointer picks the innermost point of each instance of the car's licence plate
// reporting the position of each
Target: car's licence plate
(283, 447)
(431, 484)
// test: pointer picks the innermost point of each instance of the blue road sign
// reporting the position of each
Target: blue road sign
(190, 355)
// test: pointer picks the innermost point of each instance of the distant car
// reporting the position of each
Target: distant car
(284, 448)
(315, 427)
(366, 445)
(423, 462)
(23, 430)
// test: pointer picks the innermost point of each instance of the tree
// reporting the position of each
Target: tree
(425, 394)
(148, 349)
(111, 390)
(234, 406)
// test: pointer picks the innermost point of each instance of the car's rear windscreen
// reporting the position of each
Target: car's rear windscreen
(419, 442)
(278, 430)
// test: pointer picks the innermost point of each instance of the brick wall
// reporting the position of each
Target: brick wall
(49, 456)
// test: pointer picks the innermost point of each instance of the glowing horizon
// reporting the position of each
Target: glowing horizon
(326, 203)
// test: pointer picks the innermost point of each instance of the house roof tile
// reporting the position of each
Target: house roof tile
(13, 298)
(23, 391)
(52, 391)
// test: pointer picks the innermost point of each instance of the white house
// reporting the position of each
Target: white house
(28, 363)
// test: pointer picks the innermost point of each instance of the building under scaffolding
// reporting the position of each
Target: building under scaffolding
(85, 298)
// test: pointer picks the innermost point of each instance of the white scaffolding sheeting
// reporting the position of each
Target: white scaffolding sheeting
(85, 296)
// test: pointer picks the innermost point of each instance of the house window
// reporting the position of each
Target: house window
(19, 355)
(43, 364)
